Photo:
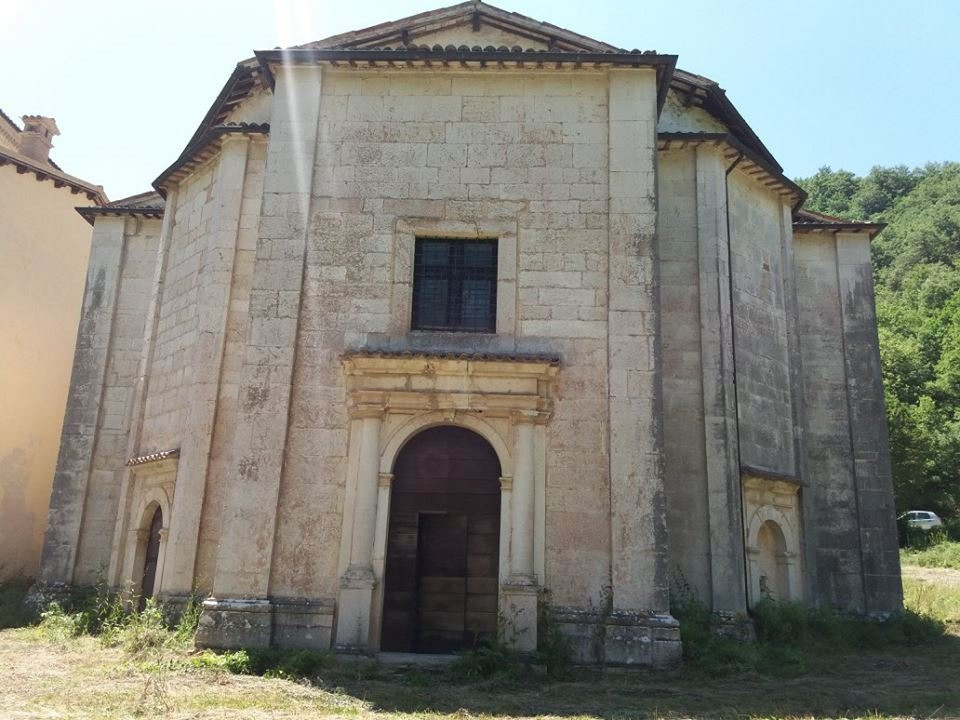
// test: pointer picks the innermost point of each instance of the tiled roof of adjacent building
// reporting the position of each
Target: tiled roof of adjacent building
(810, 221)
(48, 171)
(148, 204)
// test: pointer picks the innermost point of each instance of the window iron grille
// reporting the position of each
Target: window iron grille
(455, 285)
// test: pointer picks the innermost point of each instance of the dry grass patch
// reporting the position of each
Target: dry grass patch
(83, 679)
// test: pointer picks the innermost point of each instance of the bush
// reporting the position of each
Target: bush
(140, 632)
(104, 614)
(237, 662)
(58, 625)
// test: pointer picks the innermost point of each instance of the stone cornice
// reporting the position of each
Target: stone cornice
(748, 160)
(510, 386)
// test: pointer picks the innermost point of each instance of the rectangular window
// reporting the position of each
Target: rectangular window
(455, 285)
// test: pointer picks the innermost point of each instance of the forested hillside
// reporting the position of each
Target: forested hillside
(916, 264)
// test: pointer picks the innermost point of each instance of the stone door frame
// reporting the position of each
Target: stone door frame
(151, 485)
(394, 396)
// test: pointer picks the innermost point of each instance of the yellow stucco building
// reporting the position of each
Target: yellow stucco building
(44, 246)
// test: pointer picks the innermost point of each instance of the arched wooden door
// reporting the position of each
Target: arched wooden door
(150, 558)
(443, 544)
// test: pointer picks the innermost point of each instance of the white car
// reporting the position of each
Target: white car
(922, 519)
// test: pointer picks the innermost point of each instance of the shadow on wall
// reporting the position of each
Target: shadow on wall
(18, 521)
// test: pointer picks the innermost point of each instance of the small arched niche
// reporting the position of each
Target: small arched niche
(772, 554)
(772, 525)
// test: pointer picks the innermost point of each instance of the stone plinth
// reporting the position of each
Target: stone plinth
(235, 623)
(621, 637)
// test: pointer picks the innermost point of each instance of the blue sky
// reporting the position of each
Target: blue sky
(822, 82)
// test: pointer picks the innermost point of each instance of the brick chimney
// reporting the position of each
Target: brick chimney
(37, 137)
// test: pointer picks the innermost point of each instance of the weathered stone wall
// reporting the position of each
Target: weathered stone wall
(235, 331)
(761, 326)
(685, 479)
(93, 449)
(832, 536)
(526, 149)
(677, 116)
(171, 372)
(850, 531)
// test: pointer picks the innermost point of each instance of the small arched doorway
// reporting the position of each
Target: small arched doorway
(772, 547)
(442, 566)
(150, 558)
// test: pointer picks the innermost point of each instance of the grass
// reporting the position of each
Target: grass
(939, 600)
(941, 555)
(93, 662)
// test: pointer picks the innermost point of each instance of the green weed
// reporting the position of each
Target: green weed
(944, 554)
(792, 638)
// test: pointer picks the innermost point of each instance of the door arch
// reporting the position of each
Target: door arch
(151, 557)
(443, 543)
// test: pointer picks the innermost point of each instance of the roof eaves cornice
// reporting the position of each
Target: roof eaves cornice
(148, 204)
(704, 92)
(201, 149)
(470, 57)
(475, 14)
(24, 165)
(751, 162)
(808, 221)
(238, 86)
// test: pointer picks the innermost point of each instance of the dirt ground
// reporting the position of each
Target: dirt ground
(946, 576)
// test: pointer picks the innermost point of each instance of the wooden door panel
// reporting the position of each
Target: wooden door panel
(441, 583)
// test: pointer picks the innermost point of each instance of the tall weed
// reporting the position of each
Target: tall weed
(792, 637)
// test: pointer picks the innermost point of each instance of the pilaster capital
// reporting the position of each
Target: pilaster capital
(232, 139)
(163, 533)
(385, 480)
(506, 483)
(529, 417)
(363, 411)
(520, 584)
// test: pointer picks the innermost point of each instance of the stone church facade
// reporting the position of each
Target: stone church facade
(435, 316)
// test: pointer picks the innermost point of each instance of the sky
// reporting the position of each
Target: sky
(822, 82)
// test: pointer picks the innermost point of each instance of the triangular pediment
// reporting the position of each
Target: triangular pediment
(472, 24)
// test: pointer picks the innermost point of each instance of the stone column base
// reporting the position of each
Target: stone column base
(353, 610)
(226, 624)
(518, 600)
(302, 623)
(621, 637)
